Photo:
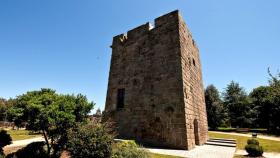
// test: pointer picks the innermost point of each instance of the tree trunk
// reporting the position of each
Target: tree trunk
(47, 142)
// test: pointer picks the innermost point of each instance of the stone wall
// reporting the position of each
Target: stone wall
(195, 109)
(163, 93)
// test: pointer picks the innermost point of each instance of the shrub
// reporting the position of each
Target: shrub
(91, 140)
(253, 148)
(5, 140)
(35, 149)
(253, 141)
(129, 149)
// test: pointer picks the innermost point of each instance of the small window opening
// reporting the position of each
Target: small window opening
(193, 62)
(120, 98)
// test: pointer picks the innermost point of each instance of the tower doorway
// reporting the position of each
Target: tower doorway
(196, 131)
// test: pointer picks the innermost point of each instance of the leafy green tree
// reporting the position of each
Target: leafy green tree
(3, 109)
(238, 104)
(274, 99)
(260, 100)
(216, 113)
(90, 140)
(266, 99)
(52, 114)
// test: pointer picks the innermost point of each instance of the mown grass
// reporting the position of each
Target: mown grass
(162, 156)
(22, 134)
(268, 145)
(239, 156)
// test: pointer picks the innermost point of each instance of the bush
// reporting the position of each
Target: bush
(253, 148)
(35, 149)
(253, 141)
(5, 140)
(128, 149)
(90, 141)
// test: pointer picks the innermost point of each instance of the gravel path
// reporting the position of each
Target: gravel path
(249, 135)
(24, 142)
(204, 151)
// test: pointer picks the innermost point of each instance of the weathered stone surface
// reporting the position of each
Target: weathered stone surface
(159, 69)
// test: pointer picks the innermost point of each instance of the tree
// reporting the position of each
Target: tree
(90, 140)
(274, 99)
(237, 102)
(52, 114)
(266, 99)
(3, 109)
(214, 107)
(261, 102)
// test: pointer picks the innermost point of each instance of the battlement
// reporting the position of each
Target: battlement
(142, 30)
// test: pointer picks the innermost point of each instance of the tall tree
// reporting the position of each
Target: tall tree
(262, 104)
(274, 99)
(52, 114)
(214, 107)
(3, 109)
(238, 105)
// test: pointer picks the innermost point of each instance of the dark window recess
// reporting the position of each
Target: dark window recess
(120, 98)
(193, 62)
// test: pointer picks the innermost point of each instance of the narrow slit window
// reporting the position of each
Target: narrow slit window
(194, 62)
(120, 98)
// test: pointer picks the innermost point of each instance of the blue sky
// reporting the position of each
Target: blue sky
(64, 44)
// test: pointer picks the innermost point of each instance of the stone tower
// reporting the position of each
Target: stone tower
(155, 91)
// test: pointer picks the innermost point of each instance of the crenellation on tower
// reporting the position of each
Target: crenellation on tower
(138, 32)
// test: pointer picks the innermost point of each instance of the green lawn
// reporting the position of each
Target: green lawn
(239, 156)
(162, 156)
(268, 145)
(22, 134)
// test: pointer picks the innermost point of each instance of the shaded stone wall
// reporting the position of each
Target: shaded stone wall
(195, 108)
(148, 64)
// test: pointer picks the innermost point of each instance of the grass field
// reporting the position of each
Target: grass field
(162, 156)
(239, 156)
(268, 145)
(22, 134)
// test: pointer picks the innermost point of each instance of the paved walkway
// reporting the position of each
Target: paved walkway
(24, 142)
(265, 154)
(204, 151)
(249, 135)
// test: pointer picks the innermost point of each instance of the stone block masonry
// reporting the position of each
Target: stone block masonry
(155, 91)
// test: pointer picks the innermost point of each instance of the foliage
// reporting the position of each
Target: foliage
(5, 140)
(51, 114)
(129, 149)
(260, 100)
(274, 98)
(253, 148)
(266, 99)
(253, 141)
(35, 149)
(216, 113)
(3, 109)
(90, 140)
(238, 105)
